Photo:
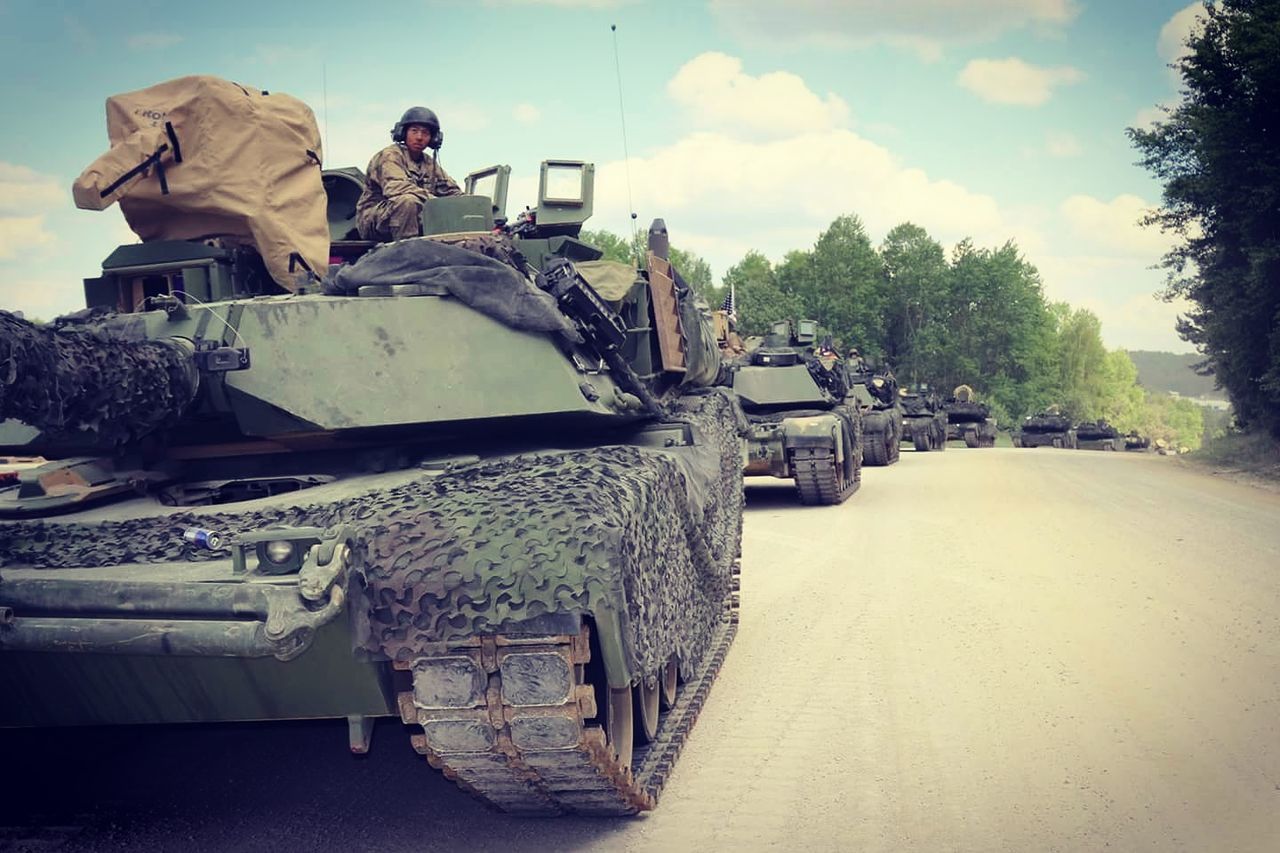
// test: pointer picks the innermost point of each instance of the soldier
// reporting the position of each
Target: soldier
(401, 177)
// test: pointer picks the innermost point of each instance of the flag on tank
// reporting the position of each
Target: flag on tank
(728, 306)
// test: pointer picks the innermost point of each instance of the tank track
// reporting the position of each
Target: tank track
(522, 754)
(818, 477)
(874, 449)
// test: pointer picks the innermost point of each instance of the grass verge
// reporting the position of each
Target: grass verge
(1251, 454)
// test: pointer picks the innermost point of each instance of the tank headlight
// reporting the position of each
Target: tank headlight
(279, 551)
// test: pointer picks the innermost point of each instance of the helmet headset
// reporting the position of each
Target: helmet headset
(426, 118)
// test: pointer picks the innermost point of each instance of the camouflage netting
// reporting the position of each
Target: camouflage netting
(650, 532)
(90, 383)
(914, 405)
(574, 532)
(963, 412)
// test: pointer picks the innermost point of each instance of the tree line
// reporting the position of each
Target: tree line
(1218, 154)
(976, 316)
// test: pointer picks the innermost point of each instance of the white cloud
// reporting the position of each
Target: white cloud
(1059, 144)
(24, 191)
(778, 195)
(526, 113)
(1122, 292)
(717, 93)
(1112, 226)
(921, 25)
(21, 234)
(1013, 81)
(1145, 118)
(153, 41)
(1173, 35)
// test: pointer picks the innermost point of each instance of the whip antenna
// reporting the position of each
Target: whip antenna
(622, 114)
(324, 102)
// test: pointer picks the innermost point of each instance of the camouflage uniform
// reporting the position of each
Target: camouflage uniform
(390, 208)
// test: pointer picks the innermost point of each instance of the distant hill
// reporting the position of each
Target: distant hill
(1167, 371)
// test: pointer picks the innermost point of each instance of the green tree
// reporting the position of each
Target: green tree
(694, 270)
(1082, 364)
(999, 334)
(1122, 398)
(915, 298)
(840, 284)
(615, 248)
(759, 298)
(1174, 419)
(1216, 155)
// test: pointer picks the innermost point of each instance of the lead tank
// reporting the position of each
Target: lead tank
(453, 483)
(968, 419)
(802, 427)
(924, 419)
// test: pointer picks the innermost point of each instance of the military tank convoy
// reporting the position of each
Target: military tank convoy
(482, 481)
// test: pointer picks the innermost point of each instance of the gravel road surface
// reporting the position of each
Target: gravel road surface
(982, 650)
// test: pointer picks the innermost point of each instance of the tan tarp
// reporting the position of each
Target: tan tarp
(246, 166)
(613, 280)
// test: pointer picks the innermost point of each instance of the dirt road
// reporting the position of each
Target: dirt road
(982, 650)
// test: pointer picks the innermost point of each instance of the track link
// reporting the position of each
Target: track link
(513, 721)
(819, 479)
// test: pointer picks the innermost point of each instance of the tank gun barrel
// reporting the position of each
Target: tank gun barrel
(88, 381)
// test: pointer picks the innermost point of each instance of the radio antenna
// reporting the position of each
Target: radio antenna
(324, 90)
(626, 155)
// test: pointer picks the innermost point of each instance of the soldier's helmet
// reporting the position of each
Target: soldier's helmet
(422, 116)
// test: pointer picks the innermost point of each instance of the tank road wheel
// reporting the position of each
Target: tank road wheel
(648, 700)
(619, 725)
(970, 438)
(921, 439)
(669, 683)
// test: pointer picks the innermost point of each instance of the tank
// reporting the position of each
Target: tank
(1098, 435)
(876, 392)
(1137, 443)
(924, 423)
(803, 426)
(969, 420)
(1049, 428)
(454, 483)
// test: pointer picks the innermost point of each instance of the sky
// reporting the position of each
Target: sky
(749, 124)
